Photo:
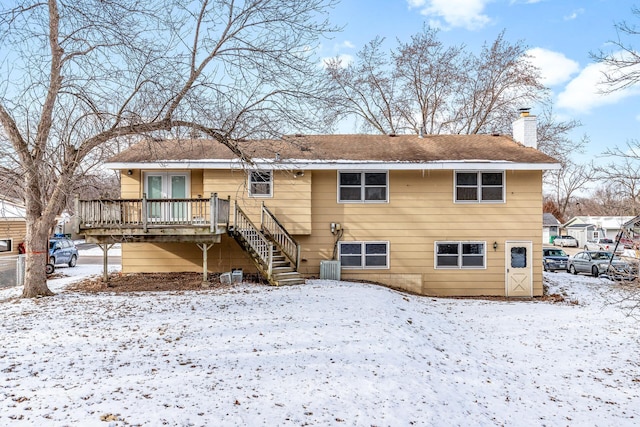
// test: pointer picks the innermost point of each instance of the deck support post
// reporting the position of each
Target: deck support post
(204, 247)
(105, 260)
(77, 216)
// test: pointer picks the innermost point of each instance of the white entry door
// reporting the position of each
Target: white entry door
(167, 185)
(519, 265)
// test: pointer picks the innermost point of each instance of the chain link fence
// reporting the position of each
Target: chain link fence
(12, 271)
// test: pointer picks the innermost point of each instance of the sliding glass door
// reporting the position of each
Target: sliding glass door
(167, 185)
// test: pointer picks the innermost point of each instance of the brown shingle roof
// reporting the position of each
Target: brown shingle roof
(402, 148)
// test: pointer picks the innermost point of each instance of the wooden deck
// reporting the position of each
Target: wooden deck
(153, 220)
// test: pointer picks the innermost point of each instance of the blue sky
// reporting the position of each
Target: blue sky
(559, 33)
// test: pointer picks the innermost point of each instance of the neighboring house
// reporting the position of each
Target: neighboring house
(435, 215)
(550, 227)
(585, 228)
(632, 227)
(13, 227)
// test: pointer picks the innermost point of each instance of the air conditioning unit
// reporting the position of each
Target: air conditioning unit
(330, 270)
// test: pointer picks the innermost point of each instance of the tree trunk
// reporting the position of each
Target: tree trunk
(37, 251)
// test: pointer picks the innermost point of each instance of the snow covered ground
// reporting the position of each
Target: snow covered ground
(328, 353)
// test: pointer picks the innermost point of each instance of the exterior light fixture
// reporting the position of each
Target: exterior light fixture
(495, 246)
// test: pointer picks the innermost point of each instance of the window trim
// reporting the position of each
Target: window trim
(363, 254)
(10, 242)
(459, 265)
(270, 182)
(363, 186)
(479, 186)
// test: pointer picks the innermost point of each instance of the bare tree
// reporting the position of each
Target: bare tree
(366, 90)
(623, 63)
(568, 181)
(430, 75)
(424, 86)
(624, 177)
(497, 82)
(76, 75)
(606, 199)
(553, 136)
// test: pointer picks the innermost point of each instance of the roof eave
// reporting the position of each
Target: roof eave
(294, 164)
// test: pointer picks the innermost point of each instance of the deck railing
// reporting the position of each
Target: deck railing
(146, 213)
(262, 246)
(287, 244)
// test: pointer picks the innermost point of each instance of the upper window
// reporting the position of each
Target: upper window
(261, 183)
(364, 254)
(363, 187)
(483, 187)
(460, 255)
(5, 245)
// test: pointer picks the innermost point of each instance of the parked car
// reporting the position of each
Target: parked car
(627, 243)
(62, 250)
(599, 262)
(600, 245)
(554, 259)
(565, 240)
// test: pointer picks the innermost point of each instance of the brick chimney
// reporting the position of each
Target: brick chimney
(525, 129)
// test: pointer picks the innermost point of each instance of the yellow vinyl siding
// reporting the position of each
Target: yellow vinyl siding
(184, 257)
(421, 211)
(291, 201)
(15, 230)
(131, 185)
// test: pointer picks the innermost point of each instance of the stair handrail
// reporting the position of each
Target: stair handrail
(280, 236)
(262, 246)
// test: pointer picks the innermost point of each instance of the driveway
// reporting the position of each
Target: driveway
(90, 254)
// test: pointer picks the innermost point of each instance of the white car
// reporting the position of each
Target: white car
(566, 241)
(601, 245)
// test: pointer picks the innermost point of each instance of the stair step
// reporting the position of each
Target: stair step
(296, 281)
(279, 277)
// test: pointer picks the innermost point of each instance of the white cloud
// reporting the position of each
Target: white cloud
(455, 13)
(573, 15)
(346, 44)
(554, 66)
(345, 60)
(585, 92)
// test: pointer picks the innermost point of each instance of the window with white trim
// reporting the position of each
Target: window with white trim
(479, 187)
(364, 254)
(460, 255)
(5, 245)
(261, 183)
(363, 187)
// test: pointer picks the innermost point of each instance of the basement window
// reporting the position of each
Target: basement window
(460, 255)
(364, 255)
(5, 245)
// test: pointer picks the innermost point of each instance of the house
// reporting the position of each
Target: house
(434, 215)
(585, 228)
(13, 227)
(550, 227)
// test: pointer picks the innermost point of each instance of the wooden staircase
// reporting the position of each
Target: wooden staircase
(274, 252)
